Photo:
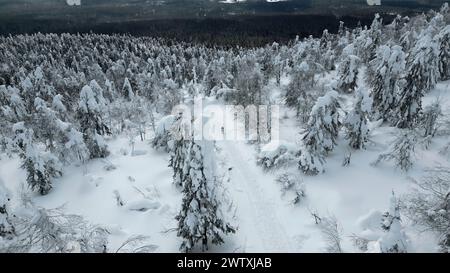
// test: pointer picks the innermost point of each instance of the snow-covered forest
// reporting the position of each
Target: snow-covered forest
(93, 157)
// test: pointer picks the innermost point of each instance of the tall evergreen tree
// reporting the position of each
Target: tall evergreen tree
(90, 113)
(388, 66)
(42, 167)
(348, 70)
(320, 134)
(421, 76)
(199, 220)
(429, 117)
(444, 53)
(298, 91)
(127, 90)
(178, 134)
(356, 121)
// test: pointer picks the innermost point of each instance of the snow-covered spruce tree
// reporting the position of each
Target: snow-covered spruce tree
(428, 204)
(356, 121)
(394, 240)
(7, 230)
(91, 107)
(13, 107)
(12, 110)
(46, 124)
(41, 166)
(444, 53)
(348, 70)
(394, 29)
(375, 35)
(161, 140)
(297, 95)
(429, 117)
(72, 147)
(367, 40)
(169, 95)
(179, 145)
(60, 138)
(249, 82)
(387, 67)
(127, 90)
(320, 134)
(216, 76)
(200, 219)
(401, 151)
(421, 76)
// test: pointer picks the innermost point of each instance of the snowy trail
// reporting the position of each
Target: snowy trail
(258, 201)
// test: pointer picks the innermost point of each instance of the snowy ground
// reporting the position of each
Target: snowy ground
(267, 221)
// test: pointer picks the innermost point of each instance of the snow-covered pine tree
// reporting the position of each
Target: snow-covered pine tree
(179, 145)
(216, 76)
(72, 148)
(13, 107)
(320, 134)
(429, 117)
(41, 166)
(169, 95)
(394, 29)
(46, 124)
(297, 95)
(356, 121)
(12, 110)
(421, 76)
(91, 107)
(375, 34)
(394, 240)
(401, 151)
(161, 140)
(110, 90)
(348, 69)
(127, 90)
(200, 219)
(6, 228)
(249, 82)
(444, 53)
(388, 66)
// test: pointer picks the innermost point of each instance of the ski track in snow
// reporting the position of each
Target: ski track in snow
(263, 215)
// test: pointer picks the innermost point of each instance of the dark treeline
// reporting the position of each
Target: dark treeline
(248, 31)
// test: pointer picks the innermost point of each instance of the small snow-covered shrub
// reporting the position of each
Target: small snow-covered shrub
(311, 162)
(394, 239)
(292, 185)
(332, 234)
(275, 155)
(429, 118)
(382, 232)
(428, 204)
(162, 134)
(401, 151)
(52, 231)
(6, 228)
